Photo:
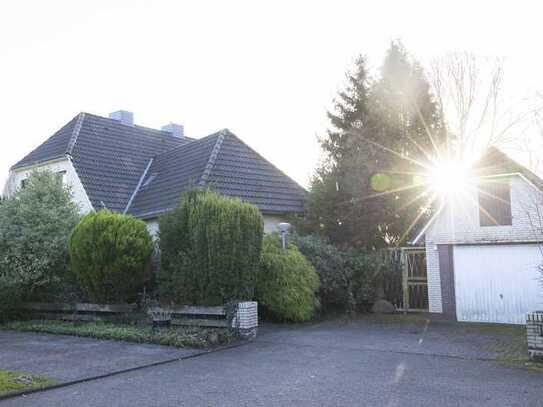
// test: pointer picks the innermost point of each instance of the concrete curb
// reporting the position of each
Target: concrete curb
(54, 386)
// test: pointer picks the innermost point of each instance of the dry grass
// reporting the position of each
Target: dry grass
(12, 381)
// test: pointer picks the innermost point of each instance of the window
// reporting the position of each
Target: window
(495, 203)
(23, 183)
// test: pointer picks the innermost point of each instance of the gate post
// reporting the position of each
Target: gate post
(405, 275)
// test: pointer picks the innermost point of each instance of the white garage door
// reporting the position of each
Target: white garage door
(499, 283)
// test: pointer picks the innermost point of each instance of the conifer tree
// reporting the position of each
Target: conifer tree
(365, 192)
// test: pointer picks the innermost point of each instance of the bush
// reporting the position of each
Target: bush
(349, 278)
(210, 249)
(109, 253)
(34, 227)
(287, 282)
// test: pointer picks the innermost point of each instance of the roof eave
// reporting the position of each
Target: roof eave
(27, 166)
(157, 213)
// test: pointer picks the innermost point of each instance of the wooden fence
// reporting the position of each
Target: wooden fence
(84, 312)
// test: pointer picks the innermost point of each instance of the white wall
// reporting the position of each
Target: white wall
(497, 283)
(72, 179)
(271, 224)
(152, 227)
(458, 222)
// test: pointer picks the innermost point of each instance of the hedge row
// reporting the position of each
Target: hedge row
(212, 252)
(210, 249)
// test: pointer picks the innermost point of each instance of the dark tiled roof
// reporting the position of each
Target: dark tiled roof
(169, 175)
(144, 171)
(54, 147)
(239, 171)
(223, 163)
(110, 157)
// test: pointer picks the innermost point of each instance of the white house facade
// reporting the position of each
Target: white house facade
(61, 166)
(483, 249)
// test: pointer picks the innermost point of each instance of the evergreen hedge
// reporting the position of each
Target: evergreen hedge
(210, 249)
(287, 282)
(109, 254)
(349, 277)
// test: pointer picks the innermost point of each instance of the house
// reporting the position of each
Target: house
(113, 163)
(483, 248)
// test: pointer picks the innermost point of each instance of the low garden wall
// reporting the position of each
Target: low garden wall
(242, 316)
(534, 326)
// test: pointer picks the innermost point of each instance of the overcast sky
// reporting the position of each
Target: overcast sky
(267, 71)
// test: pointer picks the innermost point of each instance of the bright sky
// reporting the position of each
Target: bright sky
(268, 71)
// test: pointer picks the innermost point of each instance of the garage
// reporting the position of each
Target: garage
(497, 283)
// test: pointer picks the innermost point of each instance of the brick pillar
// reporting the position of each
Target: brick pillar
(246, 319)
(534, 326)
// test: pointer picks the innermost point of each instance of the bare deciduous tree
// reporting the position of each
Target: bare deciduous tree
(477, 110)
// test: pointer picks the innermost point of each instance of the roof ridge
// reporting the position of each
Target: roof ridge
(192, 141)
(139, 126)
(212, 158)
(75, 133)
(266, 160)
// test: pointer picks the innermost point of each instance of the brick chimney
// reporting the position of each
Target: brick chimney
(123, 116)
(177, 130)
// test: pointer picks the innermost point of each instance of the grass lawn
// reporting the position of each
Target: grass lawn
(175, 336)
(11, 381)
(513, 350)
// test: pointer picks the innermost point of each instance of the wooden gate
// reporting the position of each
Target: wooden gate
(414, 279)
(406, 283)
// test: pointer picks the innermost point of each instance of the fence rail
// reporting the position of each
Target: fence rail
(86, 312)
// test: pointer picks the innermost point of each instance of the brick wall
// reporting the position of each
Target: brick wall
(434, 279)
(458, 223)
(246, 319)
(534, 326)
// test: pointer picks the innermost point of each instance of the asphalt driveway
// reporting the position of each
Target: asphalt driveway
(68, 358)
(366, 362)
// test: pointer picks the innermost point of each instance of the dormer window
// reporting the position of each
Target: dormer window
(495, 203)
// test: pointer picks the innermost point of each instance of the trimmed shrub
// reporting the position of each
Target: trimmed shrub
(329, 262)
(210, 250)
(109, 253)
(34, 227)
(287, 282)
(367, 268)
(349, 278)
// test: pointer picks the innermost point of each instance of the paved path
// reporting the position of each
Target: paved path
(68, 358)
(327, 364)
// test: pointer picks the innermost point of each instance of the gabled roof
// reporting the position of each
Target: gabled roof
(493, 163)
(144, 171)
(108, 156)
(223, 163)
(169, 175)
(54, 147)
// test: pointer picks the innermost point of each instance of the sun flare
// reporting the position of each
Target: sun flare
(449, 178)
